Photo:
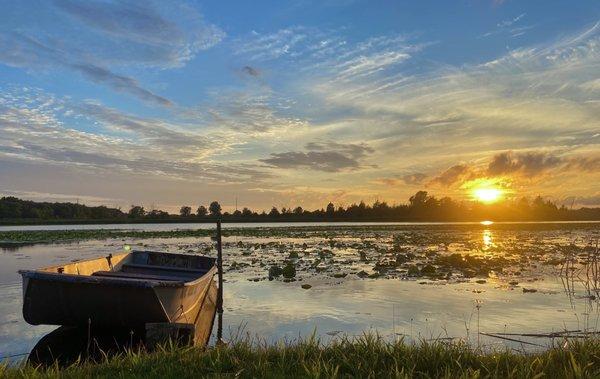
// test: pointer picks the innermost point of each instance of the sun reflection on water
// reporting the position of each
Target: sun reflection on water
(487, 239)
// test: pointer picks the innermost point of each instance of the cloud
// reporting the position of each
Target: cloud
(454, 174)
(94, 37)
(123, 19)
(155, 33)
(520, 167)
(590, 164)
(254, 111)
(510, 27)
(32, 128)
(328, 157)
(24, 51)
(325, 52)
(529, 164)
(274, 45)
(586, 201)
(413, 179)
(250, 71)
(155, 132)
(526, 99)
(119, 83)
(408, 179)
(511, 21)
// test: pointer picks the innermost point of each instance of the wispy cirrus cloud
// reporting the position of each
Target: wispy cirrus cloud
(19, 50)
(531, 99)
(37, 132)
(153, 33)
(109, 34)
(320, 52)
(251, 111)
(513, 27)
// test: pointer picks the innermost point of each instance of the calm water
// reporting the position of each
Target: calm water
(522, 291)
(194, 226)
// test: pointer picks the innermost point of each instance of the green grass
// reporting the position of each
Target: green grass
(367, 356)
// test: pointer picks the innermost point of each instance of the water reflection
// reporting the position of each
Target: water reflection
(526, 294)
(66, 345)
(487, 239)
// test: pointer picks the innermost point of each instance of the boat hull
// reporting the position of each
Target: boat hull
(59, 298)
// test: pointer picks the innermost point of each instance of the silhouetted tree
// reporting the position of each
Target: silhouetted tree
(185, 211)
(157, 214)
(201, 211)
(330, 209)
(421, 207)
(215, 208)
(136, 211)
(418, 199)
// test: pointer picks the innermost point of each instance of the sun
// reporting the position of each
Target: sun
(487, 195)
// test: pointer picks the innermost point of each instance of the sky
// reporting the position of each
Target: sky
(285, 103)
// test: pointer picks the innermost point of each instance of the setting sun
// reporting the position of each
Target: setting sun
(487, 195)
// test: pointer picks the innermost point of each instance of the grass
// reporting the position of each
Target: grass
(366, 357)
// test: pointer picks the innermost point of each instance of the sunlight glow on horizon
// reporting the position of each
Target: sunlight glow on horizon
(487, 195)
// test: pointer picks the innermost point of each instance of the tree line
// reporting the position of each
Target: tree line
(420, 207)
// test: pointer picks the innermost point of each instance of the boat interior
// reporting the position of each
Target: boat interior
(141, 265)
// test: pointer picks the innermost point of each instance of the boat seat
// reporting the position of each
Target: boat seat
(138, 276)
(188, 273)
(166, 268)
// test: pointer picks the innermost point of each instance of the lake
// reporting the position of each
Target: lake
(449, 281)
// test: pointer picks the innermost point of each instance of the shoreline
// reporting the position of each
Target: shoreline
(284, 221)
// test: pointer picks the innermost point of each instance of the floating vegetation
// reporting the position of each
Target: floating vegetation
(512, 253)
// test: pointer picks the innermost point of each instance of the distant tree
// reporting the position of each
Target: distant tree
(246, 212)
(274, 212)
(237, 213)
(215, 208)
(185, 211)
(298, 210)
(330, 209)
(136, 211)
(201, 211)
(157, 213)
(418, 199)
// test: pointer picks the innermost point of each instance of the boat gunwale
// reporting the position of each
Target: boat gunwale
(131, 282)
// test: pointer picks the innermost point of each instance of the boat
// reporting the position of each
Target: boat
(128, 290)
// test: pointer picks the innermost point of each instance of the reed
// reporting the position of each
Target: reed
(367, 356)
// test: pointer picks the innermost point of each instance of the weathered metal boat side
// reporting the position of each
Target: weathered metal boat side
(126, 290)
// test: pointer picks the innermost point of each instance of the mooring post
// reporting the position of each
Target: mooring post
(220, 289)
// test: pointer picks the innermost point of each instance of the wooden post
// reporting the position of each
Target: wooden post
(220, 289)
